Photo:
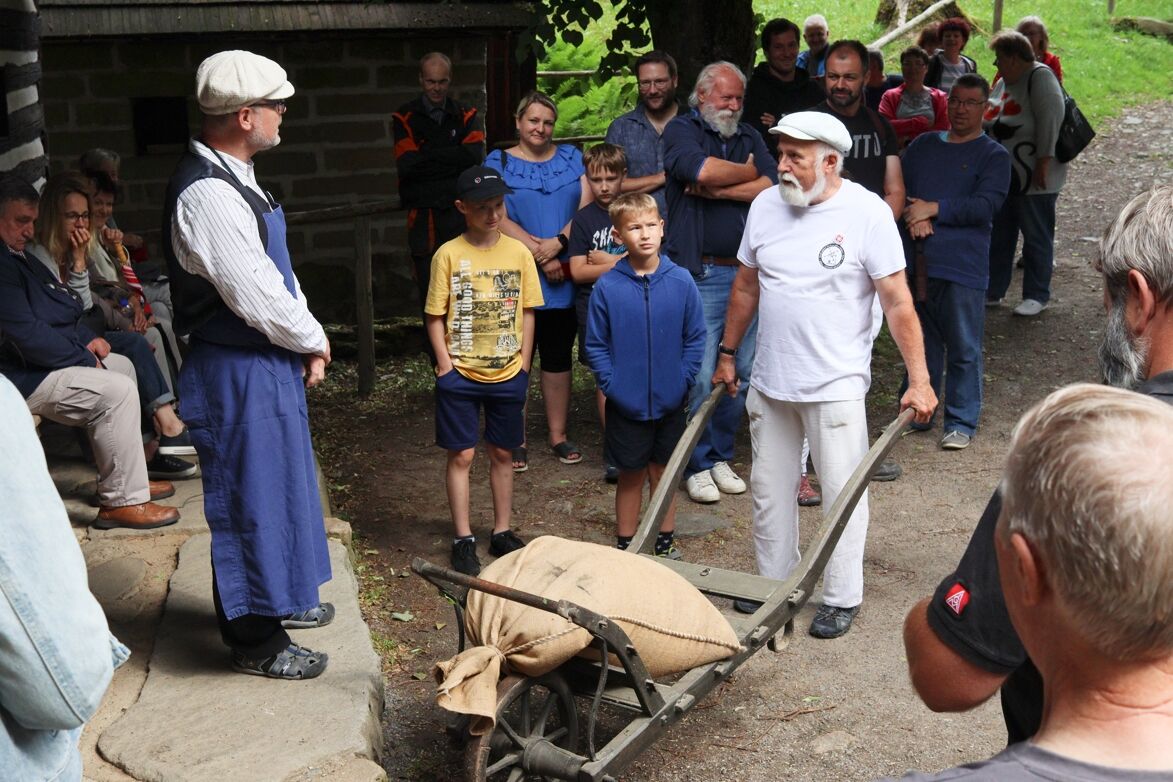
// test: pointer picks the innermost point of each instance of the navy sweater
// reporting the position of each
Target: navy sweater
(645, 338)
(969, 183)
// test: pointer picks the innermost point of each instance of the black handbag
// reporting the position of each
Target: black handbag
(1075, 133)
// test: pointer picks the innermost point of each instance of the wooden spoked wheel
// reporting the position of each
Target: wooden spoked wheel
(528, 708)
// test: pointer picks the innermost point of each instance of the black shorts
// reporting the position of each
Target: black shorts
(582, 302)
(631, 445)
(556, 330)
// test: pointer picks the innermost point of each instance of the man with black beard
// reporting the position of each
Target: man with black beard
(715, 166)
(960, 645)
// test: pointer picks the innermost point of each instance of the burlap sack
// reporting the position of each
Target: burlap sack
(673, 626)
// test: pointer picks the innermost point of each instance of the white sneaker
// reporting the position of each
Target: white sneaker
(727, 480)
(1029, 308)
(701, 488)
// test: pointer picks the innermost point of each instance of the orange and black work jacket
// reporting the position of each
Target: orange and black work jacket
(431, 156)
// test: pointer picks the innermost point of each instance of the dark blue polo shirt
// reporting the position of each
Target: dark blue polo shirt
(705, 226)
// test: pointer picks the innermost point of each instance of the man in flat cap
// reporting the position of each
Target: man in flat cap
(253, 344)
(815, 253)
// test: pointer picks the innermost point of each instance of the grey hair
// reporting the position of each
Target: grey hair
(822, 150)
(1097, 515)
(94, 159)
(708, 77)
(427, 58)
(1014, 44)
(815, 20)
(1035, 21)
(1140, 238)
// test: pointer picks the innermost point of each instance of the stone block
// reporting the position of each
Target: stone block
(56, 114)
(70, 144)
(142, 83)
(382, 49)
(359, 159)
(289, 162)
(354, 131)
(340, 530)
(358, 187)
(333, 239)
(406, 77)
(313, 76)
(62, 86)
(114, 114)
(79, 57)
(116, 578)
(156, 54)
(226, 717)
(418, 47)
(329, 105)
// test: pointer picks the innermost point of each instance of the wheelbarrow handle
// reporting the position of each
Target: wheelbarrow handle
(436, 574)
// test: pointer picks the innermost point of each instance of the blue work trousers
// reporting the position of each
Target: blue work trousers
(1034, 217)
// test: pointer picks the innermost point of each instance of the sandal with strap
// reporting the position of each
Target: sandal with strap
(292, 663)
(567, 452)
(520, 456)
(319, 616)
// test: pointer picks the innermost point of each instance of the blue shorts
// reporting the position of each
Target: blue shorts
(458, 404)
(631, 445)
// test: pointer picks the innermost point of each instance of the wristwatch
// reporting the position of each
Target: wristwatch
(562, 240)
(724, 351)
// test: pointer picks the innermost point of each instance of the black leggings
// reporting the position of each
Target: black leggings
(555, 332)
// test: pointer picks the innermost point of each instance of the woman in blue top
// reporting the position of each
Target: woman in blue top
(549, 186)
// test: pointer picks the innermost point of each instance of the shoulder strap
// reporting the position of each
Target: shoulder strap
(502, 151)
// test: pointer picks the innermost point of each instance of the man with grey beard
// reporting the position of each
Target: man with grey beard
(814, 256)
(715, 165)
(960, 645)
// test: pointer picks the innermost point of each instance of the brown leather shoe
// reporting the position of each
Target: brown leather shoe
(161, 490)
(146, 515)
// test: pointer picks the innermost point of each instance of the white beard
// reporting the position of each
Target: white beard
(724, 121)
(793, 194)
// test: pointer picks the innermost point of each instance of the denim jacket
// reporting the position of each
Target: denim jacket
(56, 652)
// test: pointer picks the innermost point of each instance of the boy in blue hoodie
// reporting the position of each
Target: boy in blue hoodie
(645, 342)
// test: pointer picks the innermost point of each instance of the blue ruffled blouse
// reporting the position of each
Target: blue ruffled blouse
(544, 199)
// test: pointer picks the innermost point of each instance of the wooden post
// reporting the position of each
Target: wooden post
(998, 15)
(364, 304)
(1111, 7)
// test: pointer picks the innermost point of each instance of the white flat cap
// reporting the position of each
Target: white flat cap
(228, 81)
(814, 126)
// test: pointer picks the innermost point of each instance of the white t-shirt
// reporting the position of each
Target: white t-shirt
(816, 309)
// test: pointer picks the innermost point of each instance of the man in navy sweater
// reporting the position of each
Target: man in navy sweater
(956, 181)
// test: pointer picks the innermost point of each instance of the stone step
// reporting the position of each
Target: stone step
(196, 719)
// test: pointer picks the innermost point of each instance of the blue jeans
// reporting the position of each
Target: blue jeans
(716, 443)
(953, 319)
(1034, 216)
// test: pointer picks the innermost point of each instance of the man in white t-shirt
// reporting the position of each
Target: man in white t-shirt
(815, 254)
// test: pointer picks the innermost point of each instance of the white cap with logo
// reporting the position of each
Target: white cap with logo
(228, 81)
(815, 126)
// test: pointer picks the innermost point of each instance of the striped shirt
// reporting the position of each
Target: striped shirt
(214, 235)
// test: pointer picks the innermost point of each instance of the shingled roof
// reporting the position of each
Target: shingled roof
(150, 18)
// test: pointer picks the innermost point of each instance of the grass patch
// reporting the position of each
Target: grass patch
(1104, 69)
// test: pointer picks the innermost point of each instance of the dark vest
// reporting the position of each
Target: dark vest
(195, 300)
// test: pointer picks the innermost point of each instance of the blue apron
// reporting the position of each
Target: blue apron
(244, 403)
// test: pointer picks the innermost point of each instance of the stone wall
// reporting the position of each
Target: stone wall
(336, 143)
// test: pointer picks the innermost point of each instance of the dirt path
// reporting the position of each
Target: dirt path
(820, 710)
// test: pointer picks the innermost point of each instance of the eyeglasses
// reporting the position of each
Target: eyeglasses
(647, 84)
(76, 216)
(276, 105)
(969, 104)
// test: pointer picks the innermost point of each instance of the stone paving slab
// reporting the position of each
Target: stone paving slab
(197, 720)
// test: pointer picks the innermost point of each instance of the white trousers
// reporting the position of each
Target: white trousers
(838, 436)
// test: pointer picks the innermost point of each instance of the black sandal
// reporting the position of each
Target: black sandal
(318, 616)
(520, 456)
(293, 662)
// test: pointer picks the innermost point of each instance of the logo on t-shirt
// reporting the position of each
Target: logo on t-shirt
(957, 598)
(832, 255)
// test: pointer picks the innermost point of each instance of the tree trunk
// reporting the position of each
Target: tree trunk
(698, 32)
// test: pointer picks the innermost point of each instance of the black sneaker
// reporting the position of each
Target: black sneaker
(169, 468)
(464, 557)
(832, 621)
(179, 445)
(502, 543)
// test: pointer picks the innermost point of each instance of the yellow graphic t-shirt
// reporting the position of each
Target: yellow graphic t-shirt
(483, 291)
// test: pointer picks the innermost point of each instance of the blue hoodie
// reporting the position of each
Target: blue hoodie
(645, 338)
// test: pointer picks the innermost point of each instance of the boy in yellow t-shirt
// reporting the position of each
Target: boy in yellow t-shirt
(480, 322)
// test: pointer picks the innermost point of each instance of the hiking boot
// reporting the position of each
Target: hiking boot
(505, 542)
(832, 621)
(808, 496)
(955, 441)
(887, 471)
(464, 557)
(727, 480)
(701, 487)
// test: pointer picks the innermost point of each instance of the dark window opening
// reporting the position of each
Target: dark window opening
(4, 91)
(160, 125)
